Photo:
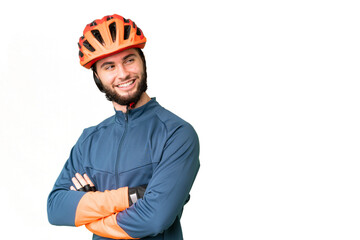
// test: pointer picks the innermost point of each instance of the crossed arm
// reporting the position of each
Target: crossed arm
(83, 183)
(103, 212)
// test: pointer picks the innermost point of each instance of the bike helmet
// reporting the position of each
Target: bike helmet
(107, 36)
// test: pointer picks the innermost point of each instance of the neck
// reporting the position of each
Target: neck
(142, 101)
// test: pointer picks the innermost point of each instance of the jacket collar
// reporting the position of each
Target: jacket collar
(137, 114)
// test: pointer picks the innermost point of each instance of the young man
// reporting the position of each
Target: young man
(142, 161)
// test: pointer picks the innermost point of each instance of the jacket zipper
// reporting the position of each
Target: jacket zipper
(117, 163)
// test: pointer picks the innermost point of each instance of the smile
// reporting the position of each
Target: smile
(127, 84)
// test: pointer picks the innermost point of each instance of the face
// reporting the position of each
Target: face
(123, 76)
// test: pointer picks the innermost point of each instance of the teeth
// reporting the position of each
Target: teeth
(126, 84)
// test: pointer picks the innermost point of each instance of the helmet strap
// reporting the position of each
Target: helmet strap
(132, 105)
(97, 81)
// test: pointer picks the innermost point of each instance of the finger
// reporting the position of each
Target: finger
(88, 180)
(76, 183)
(80, 179)
(72, 188)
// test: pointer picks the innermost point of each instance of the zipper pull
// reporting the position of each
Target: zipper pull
(126, 114)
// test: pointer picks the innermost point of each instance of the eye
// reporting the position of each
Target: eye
(129, 60)
(109, 67)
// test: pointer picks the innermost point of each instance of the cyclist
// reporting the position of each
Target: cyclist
(130, 175)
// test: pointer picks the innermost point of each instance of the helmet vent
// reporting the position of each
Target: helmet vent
(97, 35)
(127, 29)
(112, 29)
(138, 32)
(81, 54)
(126, 20)
(88, 46)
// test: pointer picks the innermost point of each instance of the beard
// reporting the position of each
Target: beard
(126, 100)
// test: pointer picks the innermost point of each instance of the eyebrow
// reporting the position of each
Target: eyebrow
(124, 58)
(128, 56)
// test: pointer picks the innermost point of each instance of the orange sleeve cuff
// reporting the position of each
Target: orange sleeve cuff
(96, 205)
(108, 227)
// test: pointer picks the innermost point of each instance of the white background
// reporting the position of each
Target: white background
(272, 88)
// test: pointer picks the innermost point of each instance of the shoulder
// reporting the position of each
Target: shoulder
(90, 131)
(175, 124)
(181, 139)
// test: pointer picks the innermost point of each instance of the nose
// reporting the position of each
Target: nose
(122, 72)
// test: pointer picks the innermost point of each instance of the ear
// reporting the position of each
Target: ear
(96, 74)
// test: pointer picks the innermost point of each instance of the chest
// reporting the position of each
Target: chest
(123, 156)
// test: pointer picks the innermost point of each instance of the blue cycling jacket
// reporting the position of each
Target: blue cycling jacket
(147, 145)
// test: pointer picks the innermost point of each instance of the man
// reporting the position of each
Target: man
(142, 161)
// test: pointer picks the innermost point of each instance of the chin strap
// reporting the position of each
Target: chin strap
(131, 105)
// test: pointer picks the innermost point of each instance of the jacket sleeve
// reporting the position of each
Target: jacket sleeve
(72, 208)
(165, 195)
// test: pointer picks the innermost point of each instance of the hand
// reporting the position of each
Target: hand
(83, 184)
